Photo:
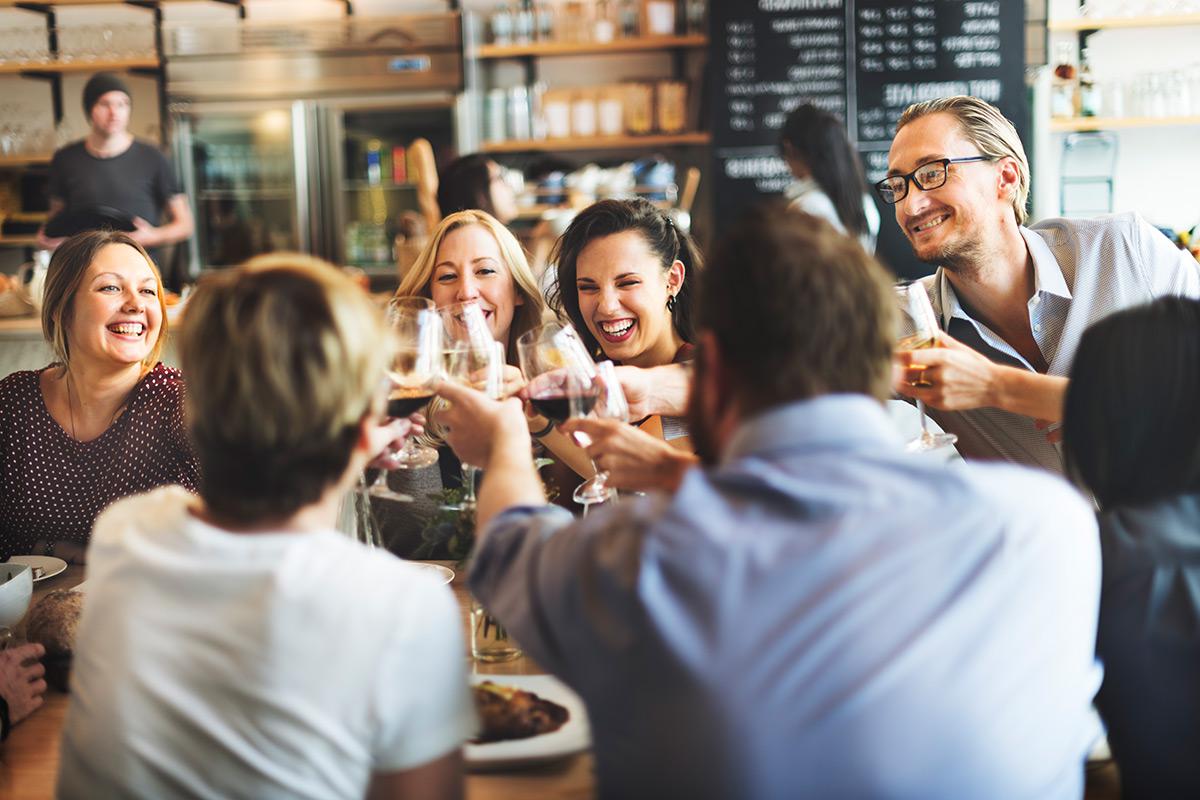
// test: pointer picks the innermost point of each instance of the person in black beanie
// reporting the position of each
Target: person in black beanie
(111, 179)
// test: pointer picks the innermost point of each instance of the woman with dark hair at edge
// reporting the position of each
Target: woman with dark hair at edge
(829, 180)
(1131, 435)
(476, 182)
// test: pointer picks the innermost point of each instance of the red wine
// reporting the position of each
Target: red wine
(402, 406)
(557, 407)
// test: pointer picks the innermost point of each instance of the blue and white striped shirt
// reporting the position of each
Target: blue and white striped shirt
(1084, 270)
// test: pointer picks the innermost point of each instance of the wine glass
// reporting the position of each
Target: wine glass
(563, 384)
(416, 367)
(475, 359)
(918, 330)
(610, 404)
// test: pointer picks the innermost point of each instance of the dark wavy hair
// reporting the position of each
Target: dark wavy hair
(819, 138)
(609, 217)
(465, 184)
(1131, 431)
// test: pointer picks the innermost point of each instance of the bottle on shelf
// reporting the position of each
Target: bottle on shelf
(502, 24)
(1064, 93)
(525, 23)
(1089, 96)
(697, 16)
(603, 26)
(544, 17)
(629, 18)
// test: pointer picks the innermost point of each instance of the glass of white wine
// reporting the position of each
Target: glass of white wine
(416, 368)
(918, 330)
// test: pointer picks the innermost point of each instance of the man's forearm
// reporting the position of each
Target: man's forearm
(669, 389)
(1030, 394)
(510, 480)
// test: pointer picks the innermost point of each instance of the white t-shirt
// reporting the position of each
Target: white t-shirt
(218, 665)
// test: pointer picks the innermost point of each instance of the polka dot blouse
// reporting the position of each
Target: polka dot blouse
(52, 486)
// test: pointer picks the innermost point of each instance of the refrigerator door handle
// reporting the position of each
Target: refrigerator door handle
(301, 142)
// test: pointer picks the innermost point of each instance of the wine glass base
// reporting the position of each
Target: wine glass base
(417, 458)
(928, 442)
(384, 493)
(587, 495)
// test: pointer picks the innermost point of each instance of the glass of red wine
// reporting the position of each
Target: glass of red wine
(416, 368)
(610, 404)
(562, 382)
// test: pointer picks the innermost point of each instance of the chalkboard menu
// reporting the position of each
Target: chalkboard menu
(864, 60)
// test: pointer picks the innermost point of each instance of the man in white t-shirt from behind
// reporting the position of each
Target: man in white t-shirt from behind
(235, 645)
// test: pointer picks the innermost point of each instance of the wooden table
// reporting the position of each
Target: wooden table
(29, 759)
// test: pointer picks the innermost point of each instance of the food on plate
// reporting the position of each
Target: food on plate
(506, 712)
(52, 624)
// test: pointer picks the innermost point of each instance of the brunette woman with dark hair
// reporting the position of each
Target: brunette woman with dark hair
(829, 177)
(1131, 434)
(625, 277)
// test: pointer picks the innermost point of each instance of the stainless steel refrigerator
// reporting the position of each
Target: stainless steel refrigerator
(297, 137)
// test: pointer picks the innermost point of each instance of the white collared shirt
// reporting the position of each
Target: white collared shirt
(1084, 270)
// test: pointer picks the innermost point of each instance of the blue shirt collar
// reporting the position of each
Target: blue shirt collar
(835, 421)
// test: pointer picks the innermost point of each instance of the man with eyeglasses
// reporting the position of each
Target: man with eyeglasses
(1012, 300)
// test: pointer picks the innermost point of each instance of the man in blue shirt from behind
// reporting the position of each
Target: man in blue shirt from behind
(815, 612)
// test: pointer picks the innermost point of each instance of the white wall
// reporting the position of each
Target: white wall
(1157, 167)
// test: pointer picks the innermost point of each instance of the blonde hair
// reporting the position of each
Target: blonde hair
(527, 316)
(986, 128)
(68, 267)
(284, 355)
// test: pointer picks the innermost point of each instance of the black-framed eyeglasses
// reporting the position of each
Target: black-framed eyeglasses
(930, 175)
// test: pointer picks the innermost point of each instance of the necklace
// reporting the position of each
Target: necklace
(71, 408)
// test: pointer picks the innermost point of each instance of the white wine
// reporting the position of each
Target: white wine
(916, 341)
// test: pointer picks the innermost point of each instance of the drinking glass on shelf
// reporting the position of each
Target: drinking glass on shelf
(416, 368)
(473, 358)
(918, 330)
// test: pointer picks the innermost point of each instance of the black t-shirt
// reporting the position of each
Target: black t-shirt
(139, 181)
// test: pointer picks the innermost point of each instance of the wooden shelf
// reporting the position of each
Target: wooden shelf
(598, 143)
(1106, 23)
(1067, 124)
(25, 160)
(640, 44)
(79, 66)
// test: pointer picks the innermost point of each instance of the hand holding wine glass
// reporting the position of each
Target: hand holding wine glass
(416, 368)
(918, 330)
(473, 358)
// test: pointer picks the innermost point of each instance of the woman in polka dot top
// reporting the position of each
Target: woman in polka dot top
(106, 419)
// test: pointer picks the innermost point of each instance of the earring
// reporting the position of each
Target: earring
(671, 303)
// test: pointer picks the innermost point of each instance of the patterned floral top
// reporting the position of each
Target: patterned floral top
(52, 486)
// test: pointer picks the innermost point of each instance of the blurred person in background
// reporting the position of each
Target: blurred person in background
(829, 180)
(236, 644)
(1012, 300)
(816, 613)
(1132, 437)
(105, 420)
(110, 168)
(476, 182)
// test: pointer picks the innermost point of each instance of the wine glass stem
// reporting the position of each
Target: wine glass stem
(468, 477)
(380, 481)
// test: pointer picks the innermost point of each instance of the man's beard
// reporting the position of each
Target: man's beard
(700, 430)
(962, 256)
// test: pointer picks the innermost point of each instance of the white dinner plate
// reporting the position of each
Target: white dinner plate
(445, 573)
(573, 737)
(49, 565)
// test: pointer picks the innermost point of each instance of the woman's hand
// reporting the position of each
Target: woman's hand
(21, 681)
(632, 458)
(512, 381)
(394, 435)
